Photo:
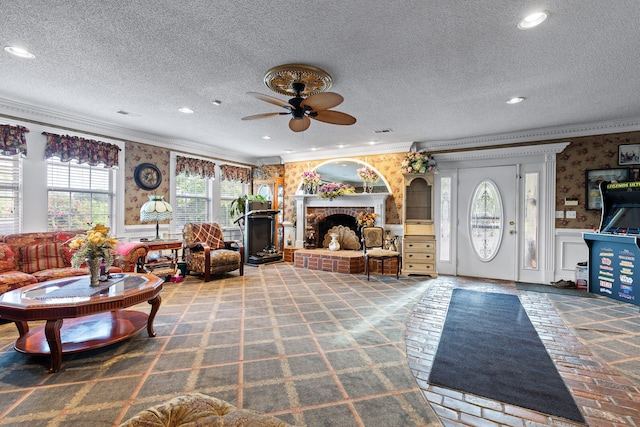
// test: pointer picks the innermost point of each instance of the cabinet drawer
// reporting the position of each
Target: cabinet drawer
(418, 246)
(420, 228)
(419, 257)
(413, 267)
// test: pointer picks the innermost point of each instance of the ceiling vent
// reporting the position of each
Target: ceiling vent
(383, 131)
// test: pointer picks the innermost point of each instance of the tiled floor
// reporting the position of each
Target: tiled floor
(594, 342)
(324, 349)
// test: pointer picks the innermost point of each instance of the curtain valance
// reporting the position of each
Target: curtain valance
(236, 173)
(83, 150)
(191, 166)
(12, 140)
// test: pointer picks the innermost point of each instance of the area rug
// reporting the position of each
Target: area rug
(490, 348)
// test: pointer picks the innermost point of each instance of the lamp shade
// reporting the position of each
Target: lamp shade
(156, 209)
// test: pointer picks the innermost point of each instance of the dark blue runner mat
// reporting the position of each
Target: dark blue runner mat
(490, 348)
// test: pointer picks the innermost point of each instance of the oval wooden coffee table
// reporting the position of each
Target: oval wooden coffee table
(80, 317)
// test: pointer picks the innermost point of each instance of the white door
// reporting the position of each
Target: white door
(487, 240)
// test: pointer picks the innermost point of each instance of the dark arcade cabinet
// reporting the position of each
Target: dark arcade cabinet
(260, 232)
(614, 249)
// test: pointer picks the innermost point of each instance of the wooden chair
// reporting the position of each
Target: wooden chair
(373, 248)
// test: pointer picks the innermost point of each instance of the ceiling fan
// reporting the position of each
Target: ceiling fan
(302, 80)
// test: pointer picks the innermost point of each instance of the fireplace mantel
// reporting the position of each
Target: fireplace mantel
(304, 201)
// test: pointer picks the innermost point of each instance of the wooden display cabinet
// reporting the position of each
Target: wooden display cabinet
(419, 242)
(273, 190)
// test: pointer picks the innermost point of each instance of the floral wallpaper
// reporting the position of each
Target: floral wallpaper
(584, 153)
(388, 165)
(135, 197)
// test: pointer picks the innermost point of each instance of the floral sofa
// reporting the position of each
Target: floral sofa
(27, 258)
(196, 409)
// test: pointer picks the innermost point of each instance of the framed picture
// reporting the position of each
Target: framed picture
(593, 179)
(629, 154)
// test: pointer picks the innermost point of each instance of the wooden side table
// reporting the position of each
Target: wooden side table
(144, 264)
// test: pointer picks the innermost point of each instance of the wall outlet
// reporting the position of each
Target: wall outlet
(571, 214)
(560, 214)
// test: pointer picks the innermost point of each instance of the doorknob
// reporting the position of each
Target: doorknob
(512, 223)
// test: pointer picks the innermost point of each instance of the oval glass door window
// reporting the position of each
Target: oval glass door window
(486, 220)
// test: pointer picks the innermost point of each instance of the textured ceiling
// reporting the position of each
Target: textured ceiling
(431, 71)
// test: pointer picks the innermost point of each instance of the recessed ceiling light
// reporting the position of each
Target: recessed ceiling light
(185, 110)
(288, 151)
(266, 137)
(533, 20)
(17, 51)
(216, 102)
(372, 142)
(341, 145)
(515, 100)
(314, 148)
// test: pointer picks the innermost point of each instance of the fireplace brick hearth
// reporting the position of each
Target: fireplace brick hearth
(346, 262)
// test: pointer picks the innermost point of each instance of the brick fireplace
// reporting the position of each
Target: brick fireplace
(350, 204)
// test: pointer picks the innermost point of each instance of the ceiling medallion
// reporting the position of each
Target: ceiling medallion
(280, 78)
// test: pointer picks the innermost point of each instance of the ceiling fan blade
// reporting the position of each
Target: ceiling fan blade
(335, 117)
(299, 125)
(270, 99)
(263, 116)
(323, 101)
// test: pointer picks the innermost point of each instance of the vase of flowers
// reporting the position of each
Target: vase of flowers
(418, 162)
(366, 219)
(368, 177)
(332, 190)
(94, 247)
(310, 180)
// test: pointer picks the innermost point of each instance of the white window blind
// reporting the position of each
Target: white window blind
(10, 194)
(229, 191)
(79, 195)
(193, 194)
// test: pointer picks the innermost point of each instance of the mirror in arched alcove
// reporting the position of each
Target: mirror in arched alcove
(344, 171)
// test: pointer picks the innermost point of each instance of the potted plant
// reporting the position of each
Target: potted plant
(237, 207)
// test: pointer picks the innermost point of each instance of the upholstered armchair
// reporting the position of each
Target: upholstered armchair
(373, 248)
(197, 409)
(206, 252)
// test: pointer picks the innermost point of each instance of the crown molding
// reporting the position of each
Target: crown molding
(531, 135)
(71, 123)
(502, 152)
(350, 151)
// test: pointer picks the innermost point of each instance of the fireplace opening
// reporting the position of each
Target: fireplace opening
(331, 221)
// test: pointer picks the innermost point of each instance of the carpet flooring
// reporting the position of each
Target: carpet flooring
(490, 348)
(310, 347)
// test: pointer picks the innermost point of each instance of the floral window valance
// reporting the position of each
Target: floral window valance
(83, 150)
(12, 140)
(191, 166)
(236, 173)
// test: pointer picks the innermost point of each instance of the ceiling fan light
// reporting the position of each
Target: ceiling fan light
(532, 20)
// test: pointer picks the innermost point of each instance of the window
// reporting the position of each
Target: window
(445, 219)
(229, 191)
(193, 194)
(79, 195)
(486, 220)
(531, 221)
(10, 194)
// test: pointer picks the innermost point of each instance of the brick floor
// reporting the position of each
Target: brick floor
(604, 385)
